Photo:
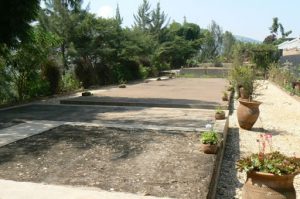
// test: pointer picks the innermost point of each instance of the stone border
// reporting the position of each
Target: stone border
(221, 127)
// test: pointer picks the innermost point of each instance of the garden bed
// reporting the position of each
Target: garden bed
(158, 163)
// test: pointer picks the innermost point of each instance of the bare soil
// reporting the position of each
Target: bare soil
(158, 163)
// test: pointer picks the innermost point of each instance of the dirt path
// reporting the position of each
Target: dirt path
(279, 116)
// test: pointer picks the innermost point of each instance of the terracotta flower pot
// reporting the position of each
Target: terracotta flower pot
(268, 186)
(225, 98)
(209, 149)
(220, 116)
(247, 113)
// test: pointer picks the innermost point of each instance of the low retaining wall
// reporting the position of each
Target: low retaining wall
(205, 72)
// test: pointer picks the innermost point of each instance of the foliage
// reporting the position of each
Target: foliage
(51, 73)
(241, 53)
(209, 137)
(69, 82)
(272, 38)
(274, 163)
(228, 44)
(219, 110)
(6, 91)
(59, 17)
(276, 25)
(143, 17)
(211, 40)
(283, 77)
(16, 16)
(263, 55)
(24, 64)
(243, 76)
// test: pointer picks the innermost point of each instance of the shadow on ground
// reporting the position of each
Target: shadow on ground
(162, 163)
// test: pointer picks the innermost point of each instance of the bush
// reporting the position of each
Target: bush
(69, 82)
(209, 137)
(85, 72)
(52, 75)
(39, 87)
(243, 76)
(144, 72)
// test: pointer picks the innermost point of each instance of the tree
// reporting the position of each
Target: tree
(275, 26)
(283, 33)
(24, 64)
(159, 20)
(143, 17)
(16, 16)
(274, 32)
(57, 18)
(118, 17)
(263, 55)
(228, 43)
(216, 32)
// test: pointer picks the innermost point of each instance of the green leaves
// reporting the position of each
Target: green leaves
(274, 163)
(209, 137)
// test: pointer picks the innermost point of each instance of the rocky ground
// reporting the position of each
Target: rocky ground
(147, 162)
(279, 116)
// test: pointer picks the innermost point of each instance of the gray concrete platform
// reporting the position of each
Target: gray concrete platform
(189, 96)
(195, 119)
(27, 190)
(173, 93)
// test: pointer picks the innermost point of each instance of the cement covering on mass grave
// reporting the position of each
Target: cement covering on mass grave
(156, 163)
(156, 119)
(133, 116)
(176, 93)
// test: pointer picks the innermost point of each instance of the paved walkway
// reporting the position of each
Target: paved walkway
(203, 93)
(23, 190)
(192, 119)
(279, 116)
(24, 130)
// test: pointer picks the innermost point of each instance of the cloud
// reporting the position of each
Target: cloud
(105, 12)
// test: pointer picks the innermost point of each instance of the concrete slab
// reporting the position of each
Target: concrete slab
(130, 116)
(20, 190)
(24, 130)
(174, 93)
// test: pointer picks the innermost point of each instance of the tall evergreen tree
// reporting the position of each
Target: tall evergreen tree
(143, 17)
(57, 18)
(159, 20)
(118, 17)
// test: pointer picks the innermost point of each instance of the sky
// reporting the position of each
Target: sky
(249, 18)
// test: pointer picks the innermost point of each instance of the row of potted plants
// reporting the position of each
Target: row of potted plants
(269, 175)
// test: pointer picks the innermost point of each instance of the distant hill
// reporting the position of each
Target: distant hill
(246, 39)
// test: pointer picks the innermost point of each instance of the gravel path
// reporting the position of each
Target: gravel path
(279, 116)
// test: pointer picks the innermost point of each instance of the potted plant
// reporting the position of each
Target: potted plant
(209, 140)
(248, 110)
(225, 96)
(220, 114)
(269, 175)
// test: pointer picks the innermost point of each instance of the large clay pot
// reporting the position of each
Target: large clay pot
(268, 186)
(247, 113)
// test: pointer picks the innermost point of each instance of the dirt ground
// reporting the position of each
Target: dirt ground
(148, 162)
